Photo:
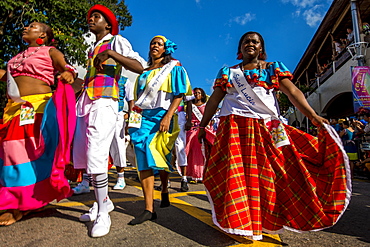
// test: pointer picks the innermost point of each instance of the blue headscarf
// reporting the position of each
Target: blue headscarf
(169, 46)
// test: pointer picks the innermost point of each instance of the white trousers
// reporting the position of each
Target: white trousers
(119, 144)
(130, 152)
(180, 143)
(93, 138)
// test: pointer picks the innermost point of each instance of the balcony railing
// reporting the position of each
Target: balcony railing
(341, 59)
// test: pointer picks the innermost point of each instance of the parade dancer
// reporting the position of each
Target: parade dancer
(37, 127)
(196, 152)
(263, 175)
(180, 159)
(159, 91)
(97, 109)
(121, 140)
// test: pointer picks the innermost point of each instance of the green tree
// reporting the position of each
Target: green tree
(284, 102)
(67, 18)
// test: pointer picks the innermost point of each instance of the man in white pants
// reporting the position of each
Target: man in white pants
(97, 108)
(121, 141)
(180, 144)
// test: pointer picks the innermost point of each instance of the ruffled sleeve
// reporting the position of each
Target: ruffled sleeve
(223, 79)
(268, 78)
(277, 71)
(180, 81)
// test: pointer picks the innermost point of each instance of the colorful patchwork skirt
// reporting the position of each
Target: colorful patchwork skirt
(153, 147)
(33, 156)
(254, 186)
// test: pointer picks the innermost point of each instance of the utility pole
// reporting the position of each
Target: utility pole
(356, 31)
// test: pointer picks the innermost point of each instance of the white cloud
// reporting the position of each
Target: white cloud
(313, 16)
(210, 90)
(297, 13)
(228, 38)
(311, 10)
(301, 3)
(197, 1)
(243, 19)
(210, 81)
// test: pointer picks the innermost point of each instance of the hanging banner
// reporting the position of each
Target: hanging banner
(361, 87)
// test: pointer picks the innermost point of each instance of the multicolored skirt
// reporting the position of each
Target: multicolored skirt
(254, 186)
(33, 156)
(153, 147)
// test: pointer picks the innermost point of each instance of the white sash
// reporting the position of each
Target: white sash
(250, 97)
(12, 88)
(27, 113)
(153, 86)
(197, 112)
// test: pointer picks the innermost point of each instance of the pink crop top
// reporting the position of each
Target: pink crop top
(37, 65)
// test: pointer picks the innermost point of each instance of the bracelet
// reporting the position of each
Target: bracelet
(72, 70)
(73, 74)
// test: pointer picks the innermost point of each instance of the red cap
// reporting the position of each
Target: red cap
(108, 15)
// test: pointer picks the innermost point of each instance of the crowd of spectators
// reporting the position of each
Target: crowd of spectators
(340, 44)
(355, 134)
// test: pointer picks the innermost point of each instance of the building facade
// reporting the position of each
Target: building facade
(339, 43)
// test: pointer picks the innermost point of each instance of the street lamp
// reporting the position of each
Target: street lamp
(358, 51)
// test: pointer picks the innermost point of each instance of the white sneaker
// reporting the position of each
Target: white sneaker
(93, 212)
(120, 185)
(81, 188)
(101, 226)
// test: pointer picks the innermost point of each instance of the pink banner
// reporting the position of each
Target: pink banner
(361, 87)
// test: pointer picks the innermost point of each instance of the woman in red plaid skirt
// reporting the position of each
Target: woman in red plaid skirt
(263, 175)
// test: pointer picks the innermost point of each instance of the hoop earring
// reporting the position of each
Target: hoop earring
(39, 41)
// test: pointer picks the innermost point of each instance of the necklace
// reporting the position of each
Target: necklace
(259, 67)
(16, 59)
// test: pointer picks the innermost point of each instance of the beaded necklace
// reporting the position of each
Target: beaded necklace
(20, 55)
(259, 67)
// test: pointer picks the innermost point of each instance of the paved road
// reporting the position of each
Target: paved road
(186, 223)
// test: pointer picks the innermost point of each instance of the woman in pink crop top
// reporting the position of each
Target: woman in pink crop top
(34, 68)
(34, 118)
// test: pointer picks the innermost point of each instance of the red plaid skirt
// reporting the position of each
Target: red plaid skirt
(254, 186)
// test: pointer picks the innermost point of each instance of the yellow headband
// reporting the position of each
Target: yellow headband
(160, 36)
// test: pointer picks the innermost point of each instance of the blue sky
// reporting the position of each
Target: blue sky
(207, 32)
